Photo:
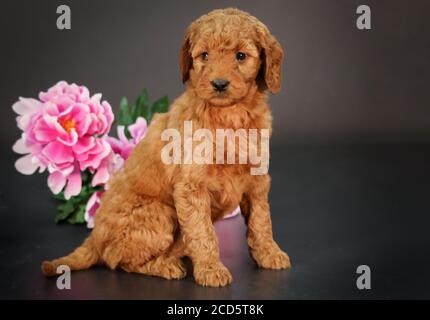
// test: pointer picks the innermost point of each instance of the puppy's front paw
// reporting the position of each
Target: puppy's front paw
(272, 259)
(212, 275)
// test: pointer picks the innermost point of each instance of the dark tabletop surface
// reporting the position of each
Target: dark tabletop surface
(333, 208)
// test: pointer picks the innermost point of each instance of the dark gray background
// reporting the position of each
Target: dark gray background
(340, 84)
(350, 154)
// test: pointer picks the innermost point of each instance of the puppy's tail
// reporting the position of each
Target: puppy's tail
(83, 257)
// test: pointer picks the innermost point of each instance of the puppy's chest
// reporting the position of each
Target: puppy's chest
(226, 186)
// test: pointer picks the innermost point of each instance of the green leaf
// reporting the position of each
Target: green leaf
(86, 176)
(59, 196)
(82, 196)
(73, 209)
(78, 216)
(123, 103)
(64, 211)
(66, 207)
(161, 105)
(141, 108)
(140, 111)
(124, 117)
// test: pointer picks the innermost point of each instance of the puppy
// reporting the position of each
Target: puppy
(153, 213)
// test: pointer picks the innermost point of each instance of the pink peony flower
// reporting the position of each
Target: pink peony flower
(114, 163)
(92, 205)
(124, 146)
(233, 214)
(63, 133)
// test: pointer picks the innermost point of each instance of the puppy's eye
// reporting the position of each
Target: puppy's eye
(240, 56)
(205, 56)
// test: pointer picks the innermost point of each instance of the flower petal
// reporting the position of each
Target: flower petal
(25, 106)
(107, 109)
(96, 155)
(50, 108)
(65, 168)
(83, 145)
(121, 134)
(90, 221)
(91, 202)
(115, 144)
(74, 185)
(25, 165)
(102, 175)
(232, 214)
(127, 151)
(58, 152)
(20, 147)
(70, 139)
(56, 182)
(138, 129)
(91, 208)
(48, 129)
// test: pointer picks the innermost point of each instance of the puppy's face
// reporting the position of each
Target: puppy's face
(228, 52)
(224, 69)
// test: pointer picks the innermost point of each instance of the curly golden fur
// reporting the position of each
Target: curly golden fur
(154, 214)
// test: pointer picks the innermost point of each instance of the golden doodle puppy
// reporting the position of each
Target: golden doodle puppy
(153, 213)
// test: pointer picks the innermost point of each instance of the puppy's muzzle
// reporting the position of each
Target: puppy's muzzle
(220, 85)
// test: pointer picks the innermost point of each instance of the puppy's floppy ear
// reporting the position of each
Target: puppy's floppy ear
(185, 58)
(272, 55)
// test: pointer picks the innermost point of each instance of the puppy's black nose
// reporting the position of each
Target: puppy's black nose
(220, 84)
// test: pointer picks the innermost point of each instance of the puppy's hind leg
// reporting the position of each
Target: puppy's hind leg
(150, 239)
(169, 265)
(163, 266)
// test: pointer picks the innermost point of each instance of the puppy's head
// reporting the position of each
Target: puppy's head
(228, 52)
